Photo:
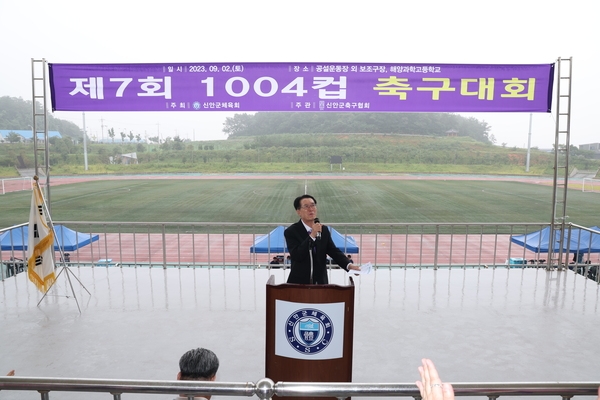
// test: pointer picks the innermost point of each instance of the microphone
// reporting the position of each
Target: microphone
(316, 221)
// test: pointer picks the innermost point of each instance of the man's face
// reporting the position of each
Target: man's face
(308, 210)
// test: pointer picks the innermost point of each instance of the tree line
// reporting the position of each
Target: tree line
(16, 113)
(278, 153)
(430, 124)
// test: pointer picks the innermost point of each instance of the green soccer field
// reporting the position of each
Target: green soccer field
(270, 201)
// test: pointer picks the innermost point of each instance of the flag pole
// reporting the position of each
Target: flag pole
(61, 250)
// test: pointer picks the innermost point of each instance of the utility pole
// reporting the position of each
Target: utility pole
(529, 144)
(85, 163)
(102, 128)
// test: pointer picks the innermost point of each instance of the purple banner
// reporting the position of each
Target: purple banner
(302, 87)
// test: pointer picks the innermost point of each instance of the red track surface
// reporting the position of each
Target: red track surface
(233, 249)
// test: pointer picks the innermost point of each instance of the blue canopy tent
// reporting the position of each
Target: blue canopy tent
(274, 242)
(346, 244)
(581, 241)
(65, 238)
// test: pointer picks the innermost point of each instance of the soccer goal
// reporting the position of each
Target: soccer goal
(15, 184)
(591, 185)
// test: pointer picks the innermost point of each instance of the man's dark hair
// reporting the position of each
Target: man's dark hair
(300, 198)
(198, 364)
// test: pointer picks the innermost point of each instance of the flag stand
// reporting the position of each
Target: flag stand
(61, 250)
(70, 283)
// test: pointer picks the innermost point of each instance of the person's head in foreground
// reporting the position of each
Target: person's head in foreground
(198, 365)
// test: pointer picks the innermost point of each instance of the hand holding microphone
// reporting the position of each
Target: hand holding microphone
(317, 222)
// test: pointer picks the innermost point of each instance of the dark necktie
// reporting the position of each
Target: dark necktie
(314, 243)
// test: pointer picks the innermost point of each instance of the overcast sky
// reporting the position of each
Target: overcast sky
(374, 31)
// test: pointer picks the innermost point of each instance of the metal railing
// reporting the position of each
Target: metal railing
(183, 245)
(266, 388)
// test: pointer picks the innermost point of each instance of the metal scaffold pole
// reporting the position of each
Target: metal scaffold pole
(562, 144)
(40, 122)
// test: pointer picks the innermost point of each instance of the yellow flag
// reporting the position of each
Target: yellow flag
(40, 266)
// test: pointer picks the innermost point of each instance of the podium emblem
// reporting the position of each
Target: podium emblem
(309, 331)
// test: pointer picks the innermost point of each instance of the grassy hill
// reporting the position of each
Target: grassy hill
(289, 142)
(295, 153)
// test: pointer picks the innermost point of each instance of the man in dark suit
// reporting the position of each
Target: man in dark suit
(306, 250)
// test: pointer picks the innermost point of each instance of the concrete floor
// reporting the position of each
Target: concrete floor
(478, 325)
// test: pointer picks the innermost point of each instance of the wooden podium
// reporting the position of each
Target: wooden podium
(310, 330)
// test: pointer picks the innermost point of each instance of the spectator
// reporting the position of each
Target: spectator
(431, 386)
(198, 365)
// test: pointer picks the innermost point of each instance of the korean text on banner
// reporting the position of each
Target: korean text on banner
(40, 265)
(308, 87)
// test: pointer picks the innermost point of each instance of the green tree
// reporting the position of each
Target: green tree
(178, 143)
(130, 136)
(238, 125)
(111, 134)
(13, 138)
(167, 144)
